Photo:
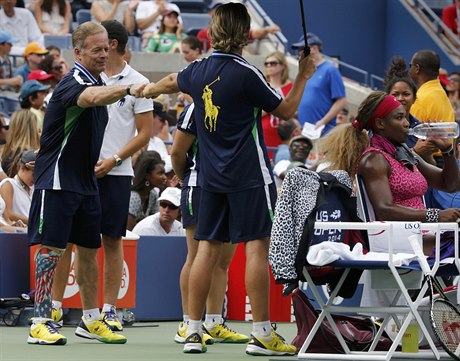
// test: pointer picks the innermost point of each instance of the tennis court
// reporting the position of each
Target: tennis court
(146, 341)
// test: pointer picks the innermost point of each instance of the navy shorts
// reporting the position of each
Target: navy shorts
(238, 216)
(190, 205)
(59, 217)
(114, 194)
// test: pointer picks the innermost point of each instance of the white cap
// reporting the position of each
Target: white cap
(171, 194)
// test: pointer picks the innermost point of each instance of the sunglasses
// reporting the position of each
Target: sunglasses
(168, 205)
(271, 63)
(57, 67)
(6, 127)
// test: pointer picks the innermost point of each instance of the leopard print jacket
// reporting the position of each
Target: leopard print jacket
(296, 200)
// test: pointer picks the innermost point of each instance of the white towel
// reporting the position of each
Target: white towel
(327, 252)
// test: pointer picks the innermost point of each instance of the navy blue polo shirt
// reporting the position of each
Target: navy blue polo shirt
(71, 137)
(229, 96)
(186, 123)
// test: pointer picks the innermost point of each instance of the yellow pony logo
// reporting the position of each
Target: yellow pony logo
(211, 110)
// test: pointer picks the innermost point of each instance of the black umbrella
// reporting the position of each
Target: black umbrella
(306, 49)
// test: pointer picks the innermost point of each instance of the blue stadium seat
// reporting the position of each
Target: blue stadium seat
(61, 41)
(83, 15)
(8, 104)
(195, 21)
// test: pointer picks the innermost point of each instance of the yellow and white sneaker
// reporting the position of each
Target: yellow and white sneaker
(57, 316)
(195, 344)
(98, 330)
(222, 333)
(179, 337)
(272, 345)
(45, 333)
(111, 318)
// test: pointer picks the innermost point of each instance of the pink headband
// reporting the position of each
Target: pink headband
(385, 107)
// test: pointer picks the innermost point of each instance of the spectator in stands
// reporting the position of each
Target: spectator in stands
(53, 16)
(17, 191)
(22, 135)
(119, 10)
(299, 149)
(21, 24)
(4, 128)
(191, 48)
(149, 173)
(254, 34)
(34, 54)
(453, 92)
(277, 74)
(161, 121)
(56, 52)
(52, 66)
(8, 82)
(164, 222)
(342, 116)
(431, 103)
(287, 130)
(149, 15)
(170, 35)
(324, 96)
(32, 97)
(451, 17)
(42, 76)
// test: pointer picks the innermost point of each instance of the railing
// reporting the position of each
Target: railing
(437, 25)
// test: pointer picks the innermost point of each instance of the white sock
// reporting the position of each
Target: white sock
(193, 327)
(262, 328)
(212, 320)
(56, 304)
(186, 318)
(92, 315)
(108, 307)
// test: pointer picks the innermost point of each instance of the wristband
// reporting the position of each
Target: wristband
(432, 215)
(449, 152)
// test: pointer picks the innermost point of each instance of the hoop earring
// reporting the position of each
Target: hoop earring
(147, 183)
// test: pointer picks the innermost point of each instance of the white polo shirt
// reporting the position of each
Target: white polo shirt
(121, 127)
(22, 26)
(150, 226)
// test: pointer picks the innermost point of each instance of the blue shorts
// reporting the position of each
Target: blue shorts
(59, 217)
(236, 217)
(190, 205)
(114, 194)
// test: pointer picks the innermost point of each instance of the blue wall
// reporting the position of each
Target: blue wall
(363, 33)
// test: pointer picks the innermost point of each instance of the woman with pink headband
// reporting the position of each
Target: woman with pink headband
(395, 178)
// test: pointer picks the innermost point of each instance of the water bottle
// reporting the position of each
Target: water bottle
(435, 130)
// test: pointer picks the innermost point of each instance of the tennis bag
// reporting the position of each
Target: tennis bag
(358, 332)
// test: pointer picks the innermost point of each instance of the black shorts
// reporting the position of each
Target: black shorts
(190, 205)
(238, 216)
(114, 194)
(57, 217)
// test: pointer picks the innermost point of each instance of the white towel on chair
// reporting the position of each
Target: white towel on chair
(326, 252)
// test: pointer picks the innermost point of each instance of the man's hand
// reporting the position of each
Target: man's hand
(149, 91)
(103, 167)
(306, 66)
(136, 90)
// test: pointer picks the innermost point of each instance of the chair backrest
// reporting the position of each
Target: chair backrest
(365, 209)
(62, 41)
(83, 15)
(195, 21)
(9, 105)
